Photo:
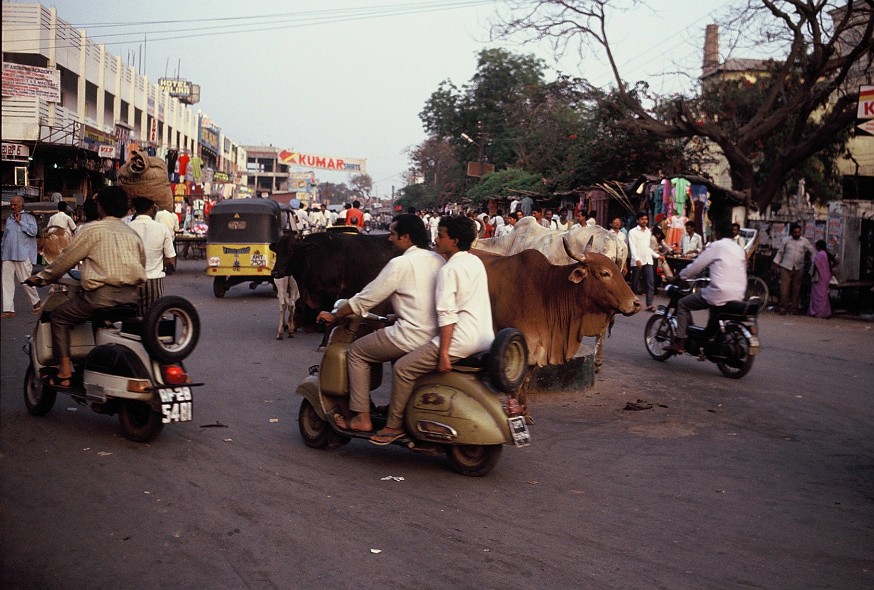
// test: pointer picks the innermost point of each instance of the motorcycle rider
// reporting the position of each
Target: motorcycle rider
(464, 314)
(408, 281)
(113, 264)
(728, 279)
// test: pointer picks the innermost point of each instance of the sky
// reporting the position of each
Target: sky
(348, 79)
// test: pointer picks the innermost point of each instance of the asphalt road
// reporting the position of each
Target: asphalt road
(766, 482)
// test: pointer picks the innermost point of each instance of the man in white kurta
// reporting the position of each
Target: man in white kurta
(158, 244)
(408, 281)
(464, 317)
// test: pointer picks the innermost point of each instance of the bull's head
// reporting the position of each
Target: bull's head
(606, 286)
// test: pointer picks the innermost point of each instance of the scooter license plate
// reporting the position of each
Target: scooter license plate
(519, 430)
(176, 404)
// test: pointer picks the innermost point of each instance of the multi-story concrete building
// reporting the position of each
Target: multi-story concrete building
(71, 109)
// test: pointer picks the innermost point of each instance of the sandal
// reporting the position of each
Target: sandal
(58, 383)
(383, 438)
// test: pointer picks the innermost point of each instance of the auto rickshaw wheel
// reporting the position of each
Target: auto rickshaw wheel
(316, 433)
(473, 460)
(219, 286)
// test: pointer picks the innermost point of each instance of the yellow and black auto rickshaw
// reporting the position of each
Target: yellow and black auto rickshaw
(237, 242)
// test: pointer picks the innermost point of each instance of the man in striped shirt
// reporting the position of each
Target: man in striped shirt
(112, 261)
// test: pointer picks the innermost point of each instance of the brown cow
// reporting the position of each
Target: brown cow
(555, 306)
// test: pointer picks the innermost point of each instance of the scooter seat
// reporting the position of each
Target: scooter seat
(477, 361)
(741, 308)
(118, 313)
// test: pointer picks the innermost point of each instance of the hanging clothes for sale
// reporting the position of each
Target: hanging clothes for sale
(196, 165)
(667, 196)
(681, 193)
(184, 158)
(171, 161)
(676, 229)
(657, 199)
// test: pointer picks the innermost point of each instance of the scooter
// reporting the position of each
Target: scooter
(460, 412)
(730, 338)
(122, 363)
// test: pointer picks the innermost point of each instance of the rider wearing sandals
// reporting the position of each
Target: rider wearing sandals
(728, 281)
(113, 268)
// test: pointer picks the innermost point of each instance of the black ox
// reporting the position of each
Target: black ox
(329, 266)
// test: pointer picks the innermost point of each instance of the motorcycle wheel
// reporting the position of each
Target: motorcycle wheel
(314, 431)
(139, 422)
(38, 399)
(473, 460)
(658, 335)
(735, 339)
(171, 348)
(219, 287)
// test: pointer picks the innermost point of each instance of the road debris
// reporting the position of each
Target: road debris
(637, 406)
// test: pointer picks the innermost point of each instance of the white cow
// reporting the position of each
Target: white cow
(288, 294)
(561, 247)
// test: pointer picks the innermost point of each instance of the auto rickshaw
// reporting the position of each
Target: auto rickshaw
(237, 242)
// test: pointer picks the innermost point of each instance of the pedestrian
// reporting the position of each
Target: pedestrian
(526, 204)
(62, 218)
(820, 277)
(691, 244)
(789, 260)
(158, 244)
(19, 255)
(642, 256)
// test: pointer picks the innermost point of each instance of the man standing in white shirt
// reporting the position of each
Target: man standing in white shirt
(408, 281)
(728, 281)
(691, 244)
(642, 255)
(62, 218)
(790, 261)
(464, 316)
(158, 244)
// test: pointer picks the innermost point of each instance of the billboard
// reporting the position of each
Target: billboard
(31, 81)
(865, 111)
(355, 165)
(184, 90)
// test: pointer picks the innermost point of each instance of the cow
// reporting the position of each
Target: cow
(288, 294)
(329, 266)
(555, 306)
(562, 247)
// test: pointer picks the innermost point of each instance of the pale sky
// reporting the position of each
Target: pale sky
(348, 79)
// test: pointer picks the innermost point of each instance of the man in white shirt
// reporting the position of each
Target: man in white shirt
(408, 281)
(738, 239)
(642, 256)
(158, 244)
(62, 219)
(691, 244)
(728, 281)
(790, 261)
(464, 314)
(168, 219)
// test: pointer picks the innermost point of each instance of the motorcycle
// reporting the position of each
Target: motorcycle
(730, 338)
(122, 362)
(459, 413)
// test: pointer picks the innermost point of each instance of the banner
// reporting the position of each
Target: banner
(19, 80)
(357, 165)
(865, 111)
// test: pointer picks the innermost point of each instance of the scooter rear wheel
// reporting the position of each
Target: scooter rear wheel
(38, 399)
(473, 460)
(314, 431)
(139, 422)
(741, 365)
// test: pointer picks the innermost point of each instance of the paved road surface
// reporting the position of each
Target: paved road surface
(766, 482)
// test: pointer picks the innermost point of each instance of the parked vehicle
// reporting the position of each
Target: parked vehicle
(460, 412)
(238, 239)
(122, 363)
(730, 338)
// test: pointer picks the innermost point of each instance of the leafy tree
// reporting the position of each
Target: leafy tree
(361, 185)
(503, 183)
(333, 193)
(805, 100)
(435, 165)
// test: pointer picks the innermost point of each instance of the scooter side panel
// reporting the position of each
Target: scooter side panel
(461, 402)
(81, 343)
(309, 389)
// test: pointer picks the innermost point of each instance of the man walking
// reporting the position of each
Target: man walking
(158, 244)
(642, 255)
(790, 260)
(19, 256)
(62, 218)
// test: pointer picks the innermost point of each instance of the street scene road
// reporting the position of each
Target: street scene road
(763, 482)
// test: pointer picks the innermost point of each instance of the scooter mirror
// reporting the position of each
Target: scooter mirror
(338, 304)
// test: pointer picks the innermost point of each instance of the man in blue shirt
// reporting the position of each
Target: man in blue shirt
(19, 255)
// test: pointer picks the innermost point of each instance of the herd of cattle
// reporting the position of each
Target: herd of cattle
(556, 287)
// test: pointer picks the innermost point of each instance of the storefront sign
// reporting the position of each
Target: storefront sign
(15, 152)
(184, 90)
(106, 151)
(865, 111)
(323, 162)
(20, 80)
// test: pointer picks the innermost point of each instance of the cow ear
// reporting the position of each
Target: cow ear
(579, 273)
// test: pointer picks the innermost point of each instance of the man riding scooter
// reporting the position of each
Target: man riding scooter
(113, 268)
(408, 282)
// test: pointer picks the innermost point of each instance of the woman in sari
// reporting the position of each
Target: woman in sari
(820, 306)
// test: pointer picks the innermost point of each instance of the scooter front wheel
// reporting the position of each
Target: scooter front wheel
(38, 399)
(316, 433)
(473, 460)
(139, 422)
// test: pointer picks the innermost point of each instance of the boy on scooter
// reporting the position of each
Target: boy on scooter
(464, 317)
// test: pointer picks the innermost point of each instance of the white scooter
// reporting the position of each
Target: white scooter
(122, 362)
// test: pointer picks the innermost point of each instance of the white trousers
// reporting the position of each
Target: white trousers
(15, 271)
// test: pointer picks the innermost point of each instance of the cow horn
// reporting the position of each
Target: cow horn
(567, 248)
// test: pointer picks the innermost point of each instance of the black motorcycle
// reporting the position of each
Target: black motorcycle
(730, 338)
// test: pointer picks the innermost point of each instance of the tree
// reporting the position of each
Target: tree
(436, 167)
(503, 183)
(333, 193)
(361, 185)
(805, 97)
